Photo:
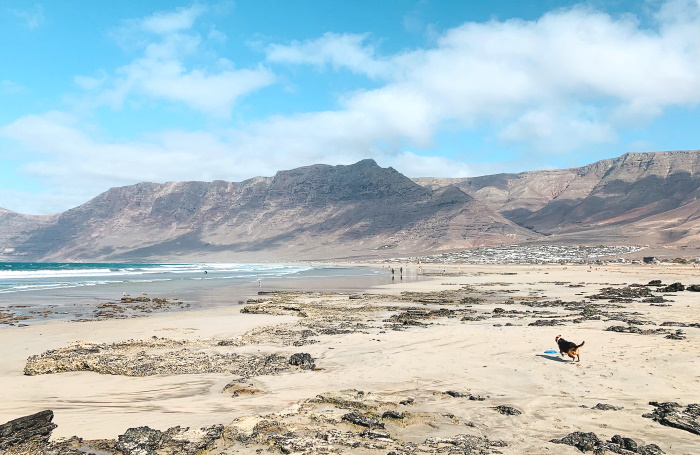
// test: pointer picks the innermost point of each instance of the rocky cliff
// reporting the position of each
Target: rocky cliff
(637, 198)
(313, 212)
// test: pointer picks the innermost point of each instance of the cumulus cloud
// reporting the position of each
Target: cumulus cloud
(534, 81)
(167, 43)
(349, 51)
(169, 22)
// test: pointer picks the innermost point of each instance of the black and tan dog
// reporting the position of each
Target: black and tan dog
(568, 348)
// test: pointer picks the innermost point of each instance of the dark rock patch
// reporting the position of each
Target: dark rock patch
(363, 420)
(634, 329)
(606, 407)
(303, 361)
(507, 410)
(674, 415)
(393, 415)
(625, 294)
(590, 442)
(31, 429)
(546, 323)
(675, 287)
(468, 395)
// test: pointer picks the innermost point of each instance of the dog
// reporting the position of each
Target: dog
(569, 348)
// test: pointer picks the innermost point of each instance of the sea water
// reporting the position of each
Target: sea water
(72, 290)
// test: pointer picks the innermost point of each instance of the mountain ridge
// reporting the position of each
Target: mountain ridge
(629, 194)
(317, 212)
(363, 210)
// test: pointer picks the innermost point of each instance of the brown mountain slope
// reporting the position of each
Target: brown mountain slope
(313, 212)
(638, 197)
(16, 228)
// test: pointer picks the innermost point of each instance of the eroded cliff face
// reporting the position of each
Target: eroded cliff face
(638, 197)
(314, 212)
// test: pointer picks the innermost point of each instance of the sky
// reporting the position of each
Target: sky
(96, 93)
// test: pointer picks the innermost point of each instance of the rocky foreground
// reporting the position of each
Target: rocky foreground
(477, 418)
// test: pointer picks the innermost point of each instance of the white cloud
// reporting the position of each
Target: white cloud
(533, 80)
(410, 164)
(163, 72)
(32, 17)
(169, 22)
(337, 50)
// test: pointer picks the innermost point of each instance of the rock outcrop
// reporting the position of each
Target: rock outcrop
(674, 415)
(27, 433)
(590, 442)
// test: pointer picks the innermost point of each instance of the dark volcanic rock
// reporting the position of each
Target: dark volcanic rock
(694, 288)
(363, 420)
(584, 442)
(545, 323)
(589, 442)
(673, 415)
(625, 294)
(173, 441)
(678, 335)
(633, 329)
(393, 415)
(625, 443)
(463, 444)
(35, 428)
(455, 394)
(607, 407)
(675, 287)
(140, 441)
(303, 361)
(507, 410)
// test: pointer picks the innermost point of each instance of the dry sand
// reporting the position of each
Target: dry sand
(505, 363)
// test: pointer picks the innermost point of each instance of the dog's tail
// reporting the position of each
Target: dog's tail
(582, 343)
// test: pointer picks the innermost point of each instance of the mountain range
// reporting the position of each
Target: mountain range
(363, 211)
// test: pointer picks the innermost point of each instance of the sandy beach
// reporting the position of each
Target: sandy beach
(477, 332)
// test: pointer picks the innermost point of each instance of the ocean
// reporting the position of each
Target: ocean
(64, 290)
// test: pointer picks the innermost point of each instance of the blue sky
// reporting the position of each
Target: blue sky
(97, 93)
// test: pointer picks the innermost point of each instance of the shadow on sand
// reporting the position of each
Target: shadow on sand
(555, 358)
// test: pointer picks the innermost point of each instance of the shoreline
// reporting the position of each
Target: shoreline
(482, 356)
(106, 301)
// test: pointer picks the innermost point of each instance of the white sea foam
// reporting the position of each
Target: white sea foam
(38, 277)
